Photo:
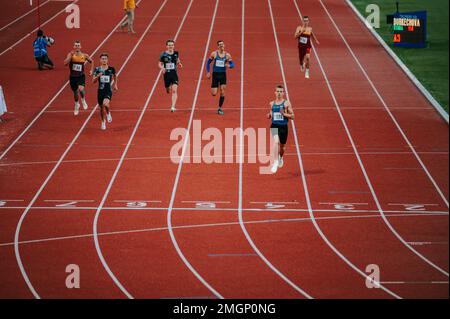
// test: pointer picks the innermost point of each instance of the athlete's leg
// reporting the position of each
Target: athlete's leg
(282, 149)
(276, 153)
(301, 55)
(214, 91)
(81, 90)
(174, 95)
(307, 64)
(222, 95)
(307, 60)
(102, 113)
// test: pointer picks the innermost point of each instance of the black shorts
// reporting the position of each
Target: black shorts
(76, 81)
(219, 79)
(44, 60)
(103, 94)
(283, 132)
(170, 78)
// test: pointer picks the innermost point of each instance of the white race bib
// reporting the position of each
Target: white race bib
(277, 116)
(77, 67)
(220, 63)
(105, 79)
(303, 40)
(170, 66)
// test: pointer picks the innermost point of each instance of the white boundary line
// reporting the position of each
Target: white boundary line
(400, 63)
(32, 32)
(278, 220)
(168, 157)
(27, 210)
(305, 184)
(24, 15)
(241, 157)
(97, 216)
(383, 102)
(180, 165)
(56, 95)
(229, 209)
(369, 183)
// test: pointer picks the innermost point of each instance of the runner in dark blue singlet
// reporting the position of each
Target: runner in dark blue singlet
(169, 61)
(106, 77)
(280, 113)
(222, 60)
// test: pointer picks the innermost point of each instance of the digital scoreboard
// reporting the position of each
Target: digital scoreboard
(410, 29)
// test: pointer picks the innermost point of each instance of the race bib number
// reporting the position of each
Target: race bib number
(170, 66)
(277, 116)
(105, 79)
(77, 67)
(303, 40)
(220, 63)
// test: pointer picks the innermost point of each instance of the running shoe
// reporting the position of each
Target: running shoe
(77, 108)
(220, 112)
(274, 168)
(280, 162)
(109, 117)
(307, 74)
(103, 125)
(85, 105)
(172, 109)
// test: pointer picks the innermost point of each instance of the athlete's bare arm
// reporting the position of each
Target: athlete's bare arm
(116, 82)
(314, 36)
(289, 111)
(68, 58)
(179, 63)
(95, 77)
(88, 59)
(269, 115)
(298, 32)
(161, 66)
(211, 57)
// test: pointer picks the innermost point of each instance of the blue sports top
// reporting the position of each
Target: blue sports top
(277, 117)
(220, 64)
(170, 60)
(40, 47)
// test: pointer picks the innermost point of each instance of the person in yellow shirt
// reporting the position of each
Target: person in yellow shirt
(129, 6)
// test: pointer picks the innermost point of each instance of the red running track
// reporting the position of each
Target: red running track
(188, 230)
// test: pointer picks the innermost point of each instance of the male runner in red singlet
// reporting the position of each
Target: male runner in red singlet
(303, 34)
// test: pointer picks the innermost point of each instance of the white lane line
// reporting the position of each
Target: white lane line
(241, 160)
(180, 165)
(231, 209)
(124, 232)
(119, 165)
(36, 196)
(363, 169)
(6, 151)
(415, 282)
(427, 243)
(394, 120)
(225, 156)
(34, 31)
(25, 14)
(305, 184)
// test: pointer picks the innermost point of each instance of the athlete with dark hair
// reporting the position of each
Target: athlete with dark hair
(280, 113)
(76, 60)
(107, 80)
(169, 61)
(222, 60)
(304, 34)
